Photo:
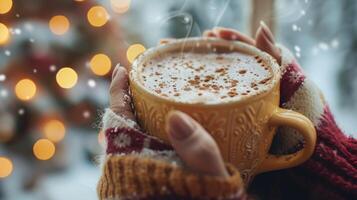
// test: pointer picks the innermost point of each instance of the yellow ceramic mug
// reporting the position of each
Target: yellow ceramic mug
(243, 129)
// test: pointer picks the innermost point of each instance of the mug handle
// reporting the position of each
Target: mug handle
(298, 121)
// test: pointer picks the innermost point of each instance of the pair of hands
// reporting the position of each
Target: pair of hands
(192, 143)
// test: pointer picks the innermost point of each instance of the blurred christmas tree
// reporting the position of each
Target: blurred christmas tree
(54, 55)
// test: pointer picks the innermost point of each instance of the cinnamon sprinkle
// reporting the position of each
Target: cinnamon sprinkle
(264, 80)
(232, 93)
(242, 71)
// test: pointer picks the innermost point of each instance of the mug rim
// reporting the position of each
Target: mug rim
(192, 42)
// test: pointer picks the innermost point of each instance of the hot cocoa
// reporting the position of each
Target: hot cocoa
(201, 77)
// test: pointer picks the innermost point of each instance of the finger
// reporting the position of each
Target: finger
(166, 40)
(120, 101)
(230, 34)
(194, 145)
(265, 42)
(209, 33)
(267, 31)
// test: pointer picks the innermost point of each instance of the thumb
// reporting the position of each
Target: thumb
(194, 145)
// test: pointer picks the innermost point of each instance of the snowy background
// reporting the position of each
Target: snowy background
(321, 33)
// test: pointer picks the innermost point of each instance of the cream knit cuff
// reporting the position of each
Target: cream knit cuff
(110, 120)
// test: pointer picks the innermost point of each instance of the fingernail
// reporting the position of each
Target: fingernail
(115, 70)
(267, 32)
(216, 30)
(179, 125)
(121, 70)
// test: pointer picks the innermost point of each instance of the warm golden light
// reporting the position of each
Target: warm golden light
(25, 89)
(54, 130)
(44, 149)
(5, 6)
(66, 77)
(97, 16)
(6, 167)
(100, 64)
(59, 24)
(133, 51)
(120, 6)
(4, 34)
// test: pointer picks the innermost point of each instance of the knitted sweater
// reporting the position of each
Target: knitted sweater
(138, 166)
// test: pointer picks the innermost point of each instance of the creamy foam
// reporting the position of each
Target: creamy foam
(206, 77)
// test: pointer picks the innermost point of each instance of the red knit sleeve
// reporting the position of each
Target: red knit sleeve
(334, 160)
(331, 172)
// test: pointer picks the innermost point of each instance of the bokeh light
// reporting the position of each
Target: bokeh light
(44, 149)
(6, 167)
(59, 24)
(120, 6)
(100, 64)
(134, 51)
(25, 89)
(4, 34)
(54, 130)
(5, 6)
(97, 16)
(66, 78)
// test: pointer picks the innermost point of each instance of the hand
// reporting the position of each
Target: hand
(264, 39)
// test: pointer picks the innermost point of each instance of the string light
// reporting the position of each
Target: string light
(6, 167)
(5, 6)
(120, 6)
(91, 83)
(100, 64)
(66, 78)
(97, 16)
(4, 93)
(4, 34)
(86, 114)
(21, 111)
(59, 24)
(54, 130)
(7, 53)
(44, 149)
(2, 77)
(25, 89)
(133, 52)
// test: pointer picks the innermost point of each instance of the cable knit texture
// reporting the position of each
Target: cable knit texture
(133, 177)
(130, 172)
